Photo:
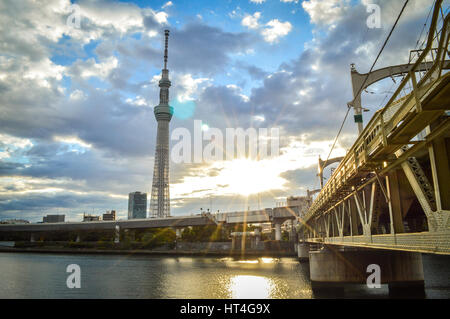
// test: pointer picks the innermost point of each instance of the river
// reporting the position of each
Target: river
(35, 275)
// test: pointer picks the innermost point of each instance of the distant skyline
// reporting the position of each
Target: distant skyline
(77, 129)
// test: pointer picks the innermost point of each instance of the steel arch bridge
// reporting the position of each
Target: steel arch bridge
(392, 188)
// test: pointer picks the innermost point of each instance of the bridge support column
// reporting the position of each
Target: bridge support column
(252, 242)
(303, 252)
(178, 232)
(278, 231)
(333, 267)
(293, 237)
(117, 234)
(257, 237)
(233, 242)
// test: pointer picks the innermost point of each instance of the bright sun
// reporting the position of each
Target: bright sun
(244, 176)
(237, 177)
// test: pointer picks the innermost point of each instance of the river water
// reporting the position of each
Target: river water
(32, 275)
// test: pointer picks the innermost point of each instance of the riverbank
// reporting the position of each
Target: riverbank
(172, 252)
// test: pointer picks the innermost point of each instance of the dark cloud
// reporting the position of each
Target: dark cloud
(255, 72)
(206, 49)
(196, 48)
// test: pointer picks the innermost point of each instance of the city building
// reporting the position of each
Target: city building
(14, 221)
(109, 215)
(90, 218)
(160, 198)
(54, 219)
(137, 205)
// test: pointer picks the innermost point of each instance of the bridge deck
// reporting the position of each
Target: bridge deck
(110, 225)
(260, 216)
(425, 242)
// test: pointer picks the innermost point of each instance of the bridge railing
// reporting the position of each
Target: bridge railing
(223, 217)
(385, 121)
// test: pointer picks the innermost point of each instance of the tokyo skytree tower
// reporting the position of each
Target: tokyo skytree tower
(160, 200)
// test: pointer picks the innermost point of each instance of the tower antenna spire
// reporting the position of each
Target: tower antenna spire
(166, 45)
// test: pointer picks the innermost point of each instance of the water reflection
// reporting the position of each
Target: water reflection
(108, 276)
(105, 276)
(247, 261)
(267, 260)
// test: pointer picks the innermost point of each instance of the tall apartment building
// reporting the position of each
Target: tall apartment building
(137, 205)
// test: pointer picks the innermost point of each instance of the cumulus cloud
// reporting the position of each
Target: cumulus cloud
(187, 86)
(89, 68)
(325, 12)
(275, 30)
(251, 21)
(272, 31)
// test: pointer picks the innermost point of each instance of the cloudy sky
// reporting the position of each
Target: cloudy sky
(77, 130)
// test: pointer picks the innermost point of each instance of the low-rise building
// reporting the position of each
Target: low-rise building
(90, 218)
(14, 221)
(109, 215)
(54, 219)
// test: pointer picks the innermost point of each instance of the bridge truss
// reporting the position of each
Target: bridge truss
(392, 189)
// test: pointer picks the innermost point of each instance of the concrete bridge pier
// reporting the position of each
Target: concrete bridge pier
(233, 242)
(293, 236)
(117, 234)
(277, 231)
(257, 237)
(303, 252)
(333, 267)
(178, 232)
(132, 234)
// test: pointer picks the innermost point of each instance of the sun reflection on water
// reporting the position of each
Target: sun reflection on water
(267, 260)
(247, 261)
